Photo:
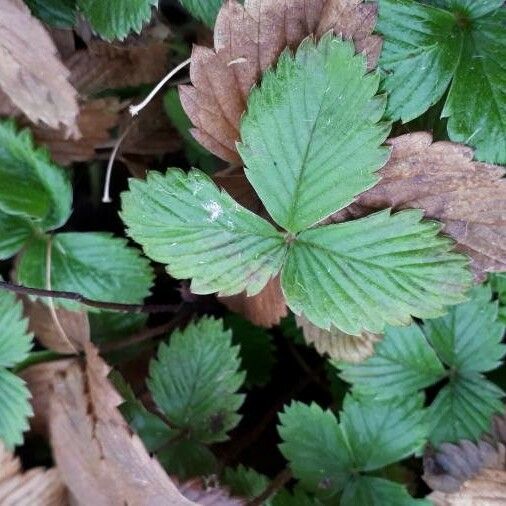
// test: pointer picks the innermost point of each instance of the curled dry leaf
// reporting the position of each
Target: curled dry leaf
(336, 344)
(95, 121)
(265, 309)
(248, 40)
(39, 380)
(104, 66)
(62, 331)
(36, 486)
(486, 489)
(31, 74)
(468, 197)
(100, 460)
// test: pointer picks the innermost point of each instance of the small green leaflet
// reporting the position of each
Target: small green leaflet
(31, 186)
(14, 232)
(15, 344)
(326, 455)
(185, 221)
(457, 46)
(96, 265)
(115, 19)
(355, 276)
(204, 10)
(408, 359)
(311, 141)
(195, 378)
(57, 13)
(245, 482)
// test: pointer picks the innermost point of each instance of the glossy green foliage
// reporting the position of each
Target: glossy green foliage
(15, 344)
(115, 19)
(331, 458)
(467, 341)
(456, 47)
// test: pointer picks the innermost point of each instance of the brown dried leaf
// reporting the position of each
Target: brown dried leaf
(486, 489)
(30, 72)
(101, 461)
(336, 344)
(96, 119)
(265, 309)
(39, 379)
(104, 66)
(37, 486)
(248, 40)
(65, 334)
(441, 178)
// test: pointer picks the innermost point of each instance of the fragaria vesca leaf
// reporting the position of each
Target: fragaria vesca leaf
(115, 19)
(247, 41)
(402, 267)
(467, 341)
(96, 265)
(31, 73)
(31, 186)
(329, 456)
(15, 344)
(185, 221)
(14, 232)
(311, 137)
(457, 46)
(441, 178)
(195, 378)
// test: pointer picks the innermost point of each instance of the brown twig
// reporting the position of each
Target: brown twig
(276, 484)
(77, 297)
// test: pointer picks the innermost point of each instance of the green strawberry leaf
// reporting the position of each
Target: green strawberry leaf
(403, 363)
(363, 274)
(31, 186)
(469, 337)
(463, 409)
(370, 491)
(57, 13)
(96, 265)
(203, 10)
(14, 232)
(311, 137)
(185, 221)
(245, 482)
(195, 378)
(115, 19)
(457, 46)
(15, 345)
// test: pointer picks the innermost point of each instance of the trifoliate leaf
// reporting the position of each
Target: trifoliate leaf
(15, 344)
(403, 363)
(463, 409)
(311, 140)
(14, 232)
(370, 491)
(363, 274)
(195, 379)
(183, 220)
(96, 265)
(58, 13)
(15, 408)
(115, 19)
(379, 433)
(459, 46)
(469, 337)
(245, 482)
(31, 186)
(316, 448)
(327, 456)
(204, 10)
(256, 350)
